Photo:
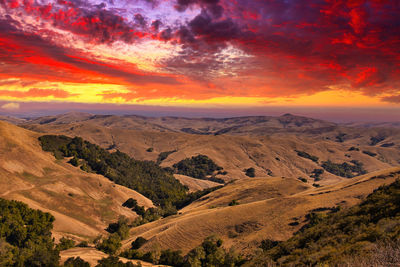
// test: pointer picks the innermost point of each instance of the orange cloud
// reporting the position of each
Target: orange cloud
(36, 93)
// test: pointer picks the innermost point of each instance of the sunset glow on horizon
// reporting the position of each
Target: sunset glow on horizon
(201, 53)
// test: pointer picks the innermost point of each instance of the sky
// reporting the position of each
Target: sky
(252, 56)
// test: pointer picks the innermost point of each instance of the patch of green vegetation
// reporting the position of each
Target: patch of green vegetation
(150, 149)
(143, 176)
(353, 148)
(234, 203)
(387, 144)
(120, 227)
(316, 174)
(164, 155)
(110, 245)
(250, 172)
(304, 154)
(76, 262)
(209, 253)
(304, 180)
(65, 244)
(330, 238)
(25, 236)
(344, 169)
(376, 139)
(138, 243)
(113, 261)
(198, 167)
(369, 153)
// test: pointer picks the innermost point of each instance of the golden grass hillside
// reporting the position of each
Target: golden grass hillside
(271, 208)
(83, 204)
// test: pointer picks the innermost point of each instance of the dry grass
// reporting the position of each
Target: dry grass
(267, 210)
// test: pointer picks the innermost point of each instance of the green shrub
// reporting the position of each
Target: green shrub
(110, 245)
(171, 258)
(164, 155)
(138, 243)
(369, 153)
(316, 174)
(120, 228)
(234, 203)
(250, 172)
(304, 180)
(307, 156)
(65, 244)
(113, 261)
(76, 262)
(74, 161)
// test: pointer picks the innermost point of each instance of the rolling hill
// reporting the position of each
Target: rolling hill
(301, 165)
(83, 204)
(271, 144)
(268, 208)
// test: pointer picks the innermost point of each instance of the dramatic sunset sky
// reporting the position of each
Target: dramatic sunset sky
(205, 54)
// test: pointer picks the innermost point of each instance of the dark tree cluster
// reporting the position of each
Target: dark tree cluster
(250, 172)
(344, 169)
(199, 167)
(143, 176)
(369, 153)
(316, 174)
(209, 253)
(164, 155)
(376, 139)
(307, 156)
(25, 236)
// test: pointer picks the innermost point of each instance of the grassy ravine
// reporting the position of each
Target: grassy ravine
(336, 237)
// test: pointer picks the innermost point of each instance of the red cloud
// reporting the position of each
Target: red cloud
(294, 47)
